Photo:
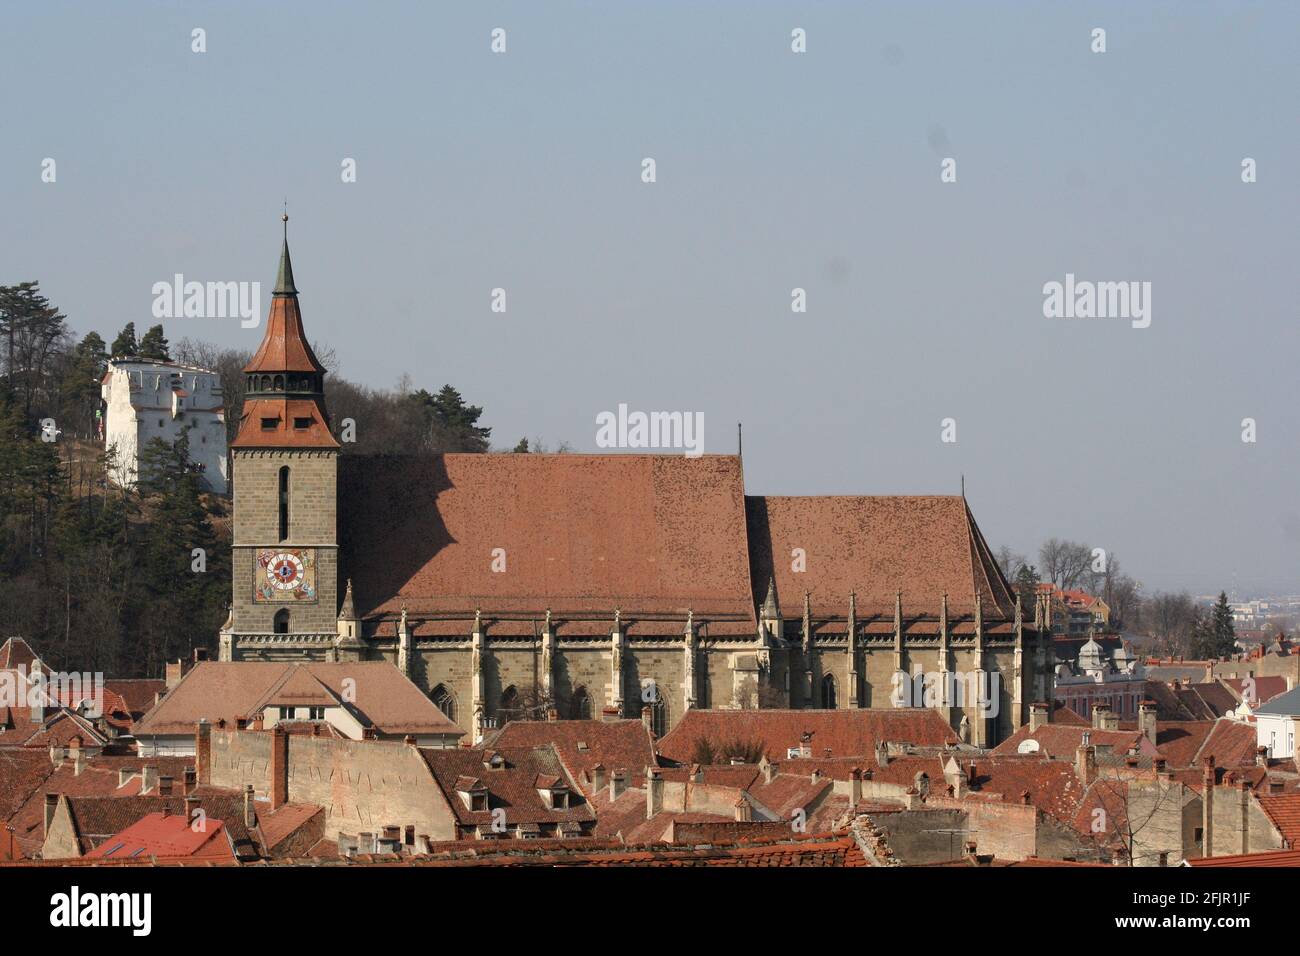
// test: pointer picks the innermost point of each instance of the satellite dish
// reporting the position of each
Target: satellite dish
(1027, 747)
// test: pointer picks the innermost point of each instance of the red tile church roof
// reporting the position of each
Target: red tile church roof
(924, 546)
(651, 534)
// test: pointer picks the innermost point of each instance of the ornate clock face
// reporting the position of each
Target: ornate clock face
(284, 571)
(285, 575)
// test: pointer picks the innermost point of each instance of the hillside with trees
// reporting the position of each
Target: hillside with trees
(121, 580)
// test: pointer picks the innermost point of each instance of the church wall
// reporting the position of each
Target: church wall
(449, 665)
(584, 666)
(666, 666)
(506, 664)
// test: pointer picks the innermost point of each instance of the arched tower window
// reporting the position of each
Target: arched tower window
(445, 701)
(828, 692)
(580, 705)
(284, 503)
(281, 624)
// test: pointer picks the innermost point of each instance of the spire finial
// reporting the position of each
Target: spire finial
(284, 281)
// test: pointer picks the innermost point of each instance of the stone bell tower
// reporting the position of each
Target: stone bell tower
(285, 467)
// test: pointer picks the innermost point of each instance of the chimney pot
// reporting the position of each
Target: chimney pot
(654, 792)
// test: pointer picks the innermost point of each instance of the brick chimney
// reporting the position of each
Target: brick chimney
(1261, 756)
(148, 779)
(1207, 807)
(744, 813)
(1040, 715)
(203, 752)
(1147, 719)
(1085, 762)
(768, 769)
(165, 785)
(174, 671)
(57, 755)
(51, 804)
(647, 718)
(654, 791)
(250, 812)
(190, 780)
(279, 767)
(598, 778)
(955, 777)
(617, 784)
(191, 804)
(1100, 716)
(855, 786)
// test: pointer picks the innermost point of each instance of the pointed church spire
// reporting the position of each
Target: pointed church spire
(284, 397)
(284, 281)
(807, 621)
(898, 619)
(349, 610)
(769, 602)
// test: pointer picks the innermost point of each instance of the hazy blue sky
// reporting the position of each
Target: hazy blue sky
(775, 170)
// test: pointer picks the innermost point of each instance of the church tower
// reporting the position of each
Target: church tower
(284, 462)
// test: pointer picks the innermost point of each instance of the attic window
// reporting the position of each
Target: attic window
(478, 801)
(268, 424)
(494, 761)
(301, 423)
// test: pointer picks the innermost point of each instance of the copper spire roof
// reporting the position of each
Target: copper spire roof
(284, 347)
(285, 400)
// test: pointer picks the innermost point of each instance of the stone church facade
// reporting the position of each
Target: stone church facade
(512, 585)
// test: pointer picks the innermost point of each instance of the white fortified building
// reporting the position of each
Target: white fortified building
(147, 399)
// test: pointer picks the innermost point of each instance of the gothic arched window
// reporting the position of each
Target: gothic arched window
(828, 692)
(658, 716)
(508, 708)
(445, 701)
(580, 705)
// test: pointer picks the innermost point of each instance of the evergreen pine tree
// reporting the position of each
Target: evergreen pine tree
(125, 343)
(154, 345)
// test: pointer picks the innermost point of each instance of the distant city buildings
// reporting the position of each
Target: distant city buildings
(147, 399)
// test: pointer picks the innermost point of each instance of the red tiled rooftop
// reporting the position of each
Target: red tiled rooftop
(923, 545)
(844, 733)
(167, 835)
(650, 534)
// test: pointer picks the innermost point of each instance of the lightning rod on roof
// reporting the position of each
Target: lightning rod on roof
(740, 440)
